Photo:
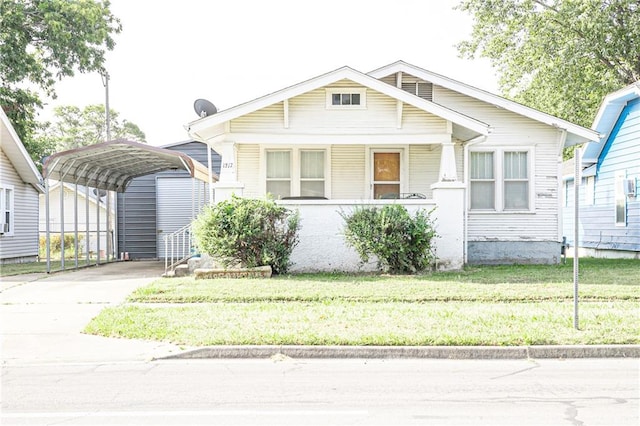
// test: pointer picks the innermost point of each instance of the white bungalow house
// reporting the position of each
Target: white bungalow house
(400, 134)
(20, 184)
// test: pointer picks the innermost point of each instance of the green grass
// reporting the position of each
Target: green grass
(10, 269)
(497, 305)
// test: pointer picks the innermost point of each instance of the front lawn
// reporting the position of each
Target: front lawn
(500, 305)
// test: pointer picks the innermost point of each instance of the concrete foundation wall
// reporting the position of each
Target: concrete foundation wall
(508, 252)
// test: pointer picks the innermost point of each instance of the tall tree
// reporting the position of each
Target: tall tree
(42, 41)
(559, 56)
(73, 127)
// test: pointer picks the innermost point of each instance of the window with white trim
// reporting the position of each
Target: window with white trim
(589, 190)
(7, 211)
(516, 181)
(296, 172)
(621, 200)
(483, 183)
(279, 173)
(345, 97)
(506, 188)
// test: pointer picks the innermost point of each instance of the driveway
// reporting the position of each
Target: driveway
(42, 316)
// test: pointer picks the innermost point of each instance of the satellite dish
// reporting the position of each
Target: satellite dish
(204, 108)
(100, 193)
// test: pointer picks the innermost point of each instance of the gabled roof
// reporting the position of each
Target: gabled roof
(606, 119)
(112, 165)
(195, 127)
(575, 134)
(55, 186)
(14, 149)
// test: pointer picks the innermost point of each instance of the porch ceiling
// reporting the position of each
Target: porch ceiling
(112, 165)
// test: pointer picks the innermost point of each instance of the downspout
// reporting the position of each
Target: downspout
(474, 141)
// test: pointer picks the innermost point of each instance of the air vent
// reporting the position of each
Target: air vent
(422, 89)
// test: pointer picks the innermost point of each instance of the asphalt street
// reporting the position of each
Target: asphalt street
(342, 392)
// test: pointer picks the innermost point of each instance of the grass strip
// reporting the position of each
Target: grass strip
(364, 323)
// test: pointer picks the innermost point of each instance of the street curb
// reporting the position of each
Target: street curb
(407, 352)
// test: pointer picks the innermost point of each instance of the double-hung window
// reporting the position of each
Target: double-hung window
(482, 179)
(279, 173)
(295, 172)
(6, 210)
(500, 180)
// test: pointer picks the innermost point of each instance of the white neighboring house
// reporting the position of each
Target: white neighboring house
(70, 217)
(400, 134)
(20, 184)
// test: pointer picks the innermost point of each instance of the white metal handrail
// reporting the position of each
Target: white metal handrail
(177, 247)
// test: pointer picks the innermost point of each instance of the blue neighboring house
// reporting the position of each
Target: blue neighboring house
(609, 214)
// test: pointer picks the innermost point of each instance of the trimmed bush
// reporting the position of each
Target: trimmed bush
(56, 246)
(248, 232)
(402, 244)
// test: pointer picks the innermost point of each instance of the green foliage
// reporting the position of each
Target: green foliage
(247, 231)
(55, 245)
(42, 41)
(401, 243)
(558, 56)
(74, 127)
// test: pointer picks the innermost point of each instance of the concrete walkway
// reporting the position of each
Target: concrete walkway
(42, 316)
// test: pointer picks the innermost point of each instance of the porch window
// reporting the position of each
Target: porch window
(279, 173)
(312, 173)
(6, 210)
(621, 200)
(482, 180)
(516, 181)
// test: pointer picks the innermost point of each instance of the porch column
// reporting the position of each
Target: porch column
(449, 215)
(228, 180)
(448, 172)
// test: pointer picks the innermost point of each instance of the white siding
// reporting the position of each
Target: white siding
(348, 172)
(249, 170)
(24, 241)
(424, 166)
(308, 115)
(512, 130)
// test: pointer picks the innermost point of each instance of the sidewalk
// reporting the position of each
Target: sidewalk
(42, 316)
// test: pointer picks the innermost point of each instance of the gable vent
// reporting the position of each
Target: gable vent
(422, 89)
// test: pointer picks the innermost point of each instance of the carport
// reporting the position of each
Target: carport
(101, 170)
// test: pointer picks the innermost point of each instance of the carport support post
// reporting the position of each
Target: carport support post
(75, 219)
(86, 225)
(61, 185)
(46, 226)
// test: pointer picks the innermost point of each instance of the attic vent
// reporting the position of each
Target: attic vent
(422, 89)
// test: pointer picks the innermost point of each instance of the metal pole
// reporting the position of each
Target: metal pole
(106, 104)
(577, 180)
(46, 226)
(86, 225)
(61, 185)
(75, 219)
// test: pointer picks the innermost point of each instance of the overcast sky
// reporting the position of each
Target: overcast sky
(171, 53)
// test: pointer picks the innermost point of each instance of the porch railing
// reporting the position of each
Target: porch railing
(178, 247)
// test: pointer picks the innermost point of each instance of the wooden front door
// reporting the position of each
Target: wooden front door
(386, 175)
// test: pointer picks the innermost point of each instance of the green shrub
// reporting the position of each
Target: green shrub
(250, 232)
(56, 247)
(402, 244)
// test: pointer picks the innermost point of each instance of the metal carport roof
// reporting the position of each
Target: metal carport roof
(112, 165)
